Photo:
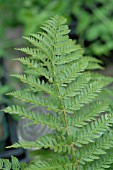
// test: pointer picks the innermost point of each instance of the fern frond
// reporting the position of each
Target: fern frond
(5, 164)
(44, 40)
(93, 130)
(50, 103)
(61, 163)
(93, 66)
(82, 121)
(70, 57)
(34, 52)
(89, 113)
(70, 73)
(32, 64)
(94, 60)
(58, 144)
(76, 86)
(88, 94)
(57, 21)
(37, 84)
(51, 120)
(41, 46)
(105, 162)
(94, 150)
(93, 63)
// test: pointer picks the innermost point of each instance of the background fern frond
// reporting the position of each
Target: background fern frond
(5, 164)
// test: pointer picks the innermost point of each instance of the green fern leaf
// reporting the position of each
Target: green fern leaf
(81, 119)
(5, 164)
(51, 120)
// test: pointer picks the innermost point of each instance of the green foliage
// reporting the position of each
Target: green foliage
(82, 121)
(36, 11)
(8, 20)
(92, 21)
(3, 90)
(95, 25)
(5, 164)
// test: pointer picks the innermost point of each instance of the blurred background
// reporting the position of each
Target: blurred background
(91, 25)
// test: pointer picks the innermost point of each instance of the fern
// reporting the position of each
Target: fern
(5, 164)
(82, 121)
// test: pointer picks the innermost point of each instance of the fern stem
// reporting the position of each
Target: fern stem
(61, 102)
(53, 66)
